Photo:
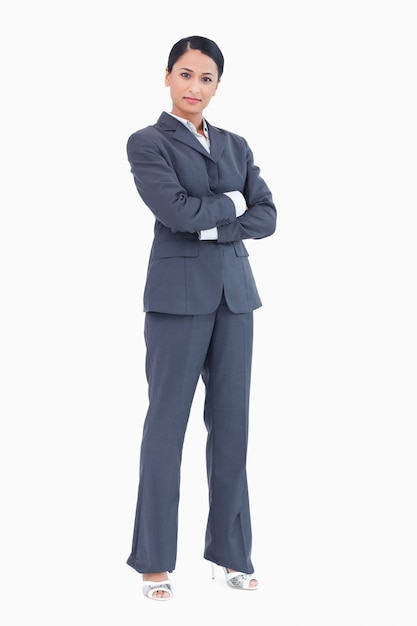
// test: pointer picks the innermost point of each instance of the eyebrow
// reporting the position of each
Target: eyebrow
(187, 69)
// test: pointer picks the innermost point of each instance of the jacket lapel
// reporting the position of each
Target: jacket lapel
(217, 141)
(180, 133)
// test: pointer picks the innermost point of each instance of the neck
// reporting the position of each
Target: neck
(196, 120)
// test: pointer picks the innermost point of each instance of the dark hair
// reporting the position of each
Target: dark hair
(206, 46)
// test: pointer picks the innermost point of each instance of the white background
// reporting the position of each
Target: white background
(325, 93)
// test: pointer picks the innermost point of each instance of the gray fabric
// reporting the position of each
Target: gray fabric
(199, 299)
(180, 348)
(184, 187)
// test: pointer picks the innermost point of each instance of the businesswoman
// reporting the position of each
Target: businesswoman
(207, 196)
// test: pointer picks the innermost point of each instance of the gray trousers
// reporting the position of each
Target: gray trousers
(180, 349)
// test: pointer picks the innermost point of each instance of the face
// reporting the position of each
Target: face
(193, 82)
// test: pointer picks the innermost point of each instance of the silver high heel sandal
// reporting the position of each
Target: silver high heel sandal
(149, 588)
(236, 580)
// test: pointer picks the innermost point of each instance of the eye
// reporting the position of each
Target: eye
(185, 75)
(207, 79)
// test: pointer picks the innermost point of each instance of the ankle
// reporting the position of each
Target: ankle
(154, 577)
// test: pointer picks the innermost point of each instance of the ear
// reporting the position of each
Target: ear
(166, 77)
(215, 91)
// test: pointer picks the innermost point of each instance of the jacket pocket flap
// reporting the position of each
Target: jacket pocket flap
(240, 248)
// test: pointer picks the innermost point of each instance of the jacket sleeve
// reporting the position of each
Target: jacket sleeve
(160, 189)
(260, 219)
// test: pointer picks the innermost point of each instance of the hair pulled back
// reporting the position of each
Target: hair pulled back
(195, 42)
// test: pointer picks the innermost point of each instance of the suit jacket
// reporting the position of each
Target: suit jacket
(183, 185)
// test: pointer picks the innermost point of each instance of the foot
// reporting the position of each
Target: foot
(153, 579)
(251, 583)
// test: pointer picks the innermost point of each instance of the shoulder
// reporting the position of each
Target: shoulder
(142, 135)
(152, 134)
(148, 136)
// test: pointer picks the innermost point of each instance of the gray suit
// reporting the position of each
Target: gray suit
(199, 299)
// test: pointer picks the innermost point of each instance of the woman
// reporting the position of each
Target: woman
(207, 196)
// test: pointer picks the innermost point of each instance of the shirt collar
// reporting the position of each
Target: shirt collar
(190, 125)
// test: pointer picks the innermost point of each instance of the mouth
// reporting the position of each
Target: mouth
(192, 100)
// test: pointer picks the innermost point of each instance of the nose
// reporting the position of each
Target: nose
(195, 85)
